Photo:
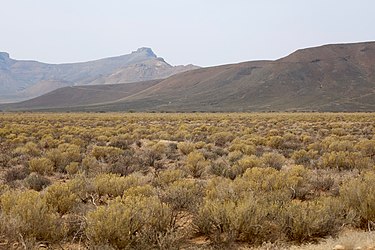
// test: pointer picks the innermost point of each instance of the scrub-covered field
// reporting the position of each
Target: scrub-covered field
(191, 181)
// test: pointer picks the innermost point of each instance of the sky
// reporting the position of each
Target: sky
(200, 32)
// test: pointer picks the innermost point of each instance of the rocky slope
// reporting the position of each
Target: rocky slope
(339, 77)
(26, 79)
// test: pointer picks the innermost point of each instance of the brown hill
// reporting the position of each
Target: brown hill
(21, 80)
(328, 78)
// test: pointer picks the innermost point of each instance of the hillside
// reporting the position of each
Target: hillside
(21, 80)
(328, 78)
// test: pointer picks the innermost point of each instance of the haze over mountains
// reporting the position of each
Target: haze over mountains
(338, 77)
(21, 80)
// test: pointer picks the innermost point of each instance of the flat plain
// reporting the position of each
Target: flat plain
(187, 180)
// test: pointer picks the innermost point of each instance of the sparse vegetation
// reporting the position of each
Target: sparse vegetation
(146, 181)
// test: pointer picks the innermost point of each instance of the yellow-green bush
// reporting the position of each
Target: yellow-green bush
(196, 164)
(345, 160)
(123, 224)
(41, 165)
(367, 147)
(186, 147)
(308, 220)
(273, 160)
(358, 195)
(247, 219)
(168, 176)
(114, 185)
(60, 198)
(183, 194)
(31, 215)
(106, 153)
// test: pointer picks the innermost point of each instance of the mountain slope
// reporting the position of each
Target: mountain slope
(26, 79)
(328, 78)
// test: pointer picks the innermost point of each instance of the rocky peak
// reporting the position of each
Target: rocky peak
(4, 55)
(146, 51)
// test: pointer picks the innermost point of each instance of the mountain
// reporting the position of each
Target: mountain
(20, 80)
(338, 77)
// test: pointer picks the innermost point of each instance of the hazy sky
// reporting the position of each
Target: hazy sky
(202, 32)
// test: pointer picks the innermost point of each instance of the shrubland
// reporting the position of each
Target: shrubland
(146, 181)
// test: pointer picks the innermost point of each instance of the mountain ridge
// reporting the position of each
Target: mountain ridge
(25, 79)
(336, 77)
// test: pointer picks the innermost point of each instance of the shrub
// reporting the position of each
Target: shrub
(114, 185)
(234, 156)
(186, 147)
(41, 166)
(308, 220)
(359, 195)
(222, 138)
(273, 160)
(196, 164)
(168, 176)
(130, 222)
(367, 147)
(60, 198)
(72, 168)
(37, 182)
(183, 194)
(225, 221)
(345, 160)
(33, 218)
(245, 163)
(16, 173)
(106, 153)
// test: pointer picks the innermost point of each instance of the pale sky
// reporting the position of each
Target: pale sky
(201, 32)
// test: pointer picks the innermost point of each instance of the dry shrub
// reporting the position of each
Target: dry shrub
(16, 173)
(164, 178)
(273, 160)
(309, 220)
(186, 147)
(367, 147)
(345, 160)
(106, 153)
(358, 195)
(31, 215)
(60, 198)
(225, 221)
(114, 185)
(37, 182)
(41, 165)
(222, 138)
(183, 194)
(129, 223)
(196, 164)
